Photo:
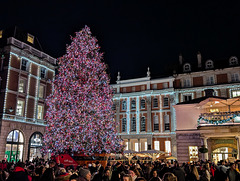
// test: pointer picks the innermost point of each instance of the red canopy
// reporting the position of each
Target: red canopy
(66, 160)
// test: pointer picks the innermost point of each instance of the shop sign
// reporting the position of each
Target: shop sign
(222, 141)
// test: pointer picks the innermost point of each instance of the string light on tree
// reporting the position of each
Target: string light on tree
(80, 115)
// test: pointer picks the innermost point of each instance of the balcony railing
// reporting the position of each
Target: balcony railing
(215, 118)
(11, 117)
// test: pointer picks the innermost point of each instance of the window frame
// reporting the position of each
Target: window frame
(133, 107)
(155, 123)
(143, 122)
(155, 102)
(42, 113)
(209, 64)
(43, 74)
(143, 102)
(24, 85)
(124, 105)
(24, 67)
(23, 108)
(164, 102)
(187, 67)
(233, 61)
(133, 124)
(124, 125)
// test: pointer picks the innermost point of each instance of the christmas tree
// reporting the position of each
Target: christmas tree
(79, 115)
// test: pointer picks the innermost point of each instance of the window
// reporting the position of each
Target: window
(165, 102)
(40, 111)
(235, 93)
(209, 64)
(43, 73)
(22, 86)
(193, 153)
(143, 124)
(142, 88)
(156, 145)
(124, 125)
(154, 86)
(114, 106)
(187, 67)
(165, 85)
(35, 145)
(168, 146)
(133, 124)
(187, 83)
(155, 102)
(124, 90)
(124, 105)
(235, 77)
(143, 103)
(1, 33)
(133, 104)
(155, 123)
(126, 143)
(210, 80)
(136, 147)
(145, 146)
(24, 65)
(41, 91)
(20, 108)
(187, 98)
(166, 122)
(14, 146)
(30, 38)
(133, 89)
(233, 61)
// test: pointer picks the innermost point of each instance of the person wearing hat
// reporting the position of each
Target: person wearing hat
(85, 175)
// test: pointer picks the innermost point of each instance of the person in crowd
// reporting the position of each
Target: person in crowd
(232, 173)
(192, 175)
(106, 175)
(19, 173)
(85, 175)
(155, 176)
(169, 177)
(133, 174)
(73, 177)
(205, 174)
(127, 177)
(141, 179)
(48, 174)
(116, 174)
(178, 172)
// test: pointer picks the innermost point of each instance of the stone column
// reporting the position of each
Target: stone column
(149, 114)
(204, 142)
(238, 145)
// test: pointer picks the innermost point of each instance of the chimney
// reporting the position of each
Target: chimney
(199, 59)
(180, 59)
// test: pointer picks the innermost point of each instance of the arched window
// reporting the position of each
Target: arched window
(124, 105)
(35, 146)
(133, 124)
(233, 61)
(186, 67)
(143, 103)
(14, 146)
(133, 104)
(143, 124)
(124, 125)
(155, 102)
(209, 64)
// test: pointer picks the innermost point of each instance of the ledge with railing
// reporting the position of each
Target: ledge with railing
(216, 118)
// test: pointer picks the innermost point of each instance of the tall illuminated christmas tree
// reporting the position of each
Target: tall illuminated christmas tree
(80, 115)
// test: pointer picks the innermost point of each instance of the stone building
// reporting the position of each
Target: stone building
(207, 88)
(145, 113)
(25, 73)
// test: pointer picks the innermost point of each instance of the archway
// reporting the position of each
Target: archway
(35, 145)
(224, 153)
(14, 146)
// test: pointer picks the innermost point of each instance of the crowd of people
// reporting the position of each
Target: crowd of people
(161, 170)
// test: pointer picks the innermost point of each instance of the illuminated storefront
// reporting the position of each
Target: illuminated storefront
(35, 146)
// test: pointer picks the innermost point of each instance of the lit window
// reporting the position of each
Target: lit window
(24, 65)
(156, 145)
(193, 153)
(209, 64)
(124, 125)
(41, 91)
(22, 86)
(143, 124)
(145, 146)
(43, 73)
(235, 93)
(155, 102)
(1, 33)
(165, 102)
(168, 146)
(233, 61)
(143, 104)
(235, 77)
(133, 104)
(210, 80)
(40, 112)
(124, 105)
(166, 122)
(156, 123)
(20, 108)
(126, 143)
(30, 38)
(136, 147)
(133, 124)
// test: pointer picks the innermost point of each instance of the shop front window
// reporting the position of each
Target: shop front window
(35, 146)
(14, 146)
(193, 153)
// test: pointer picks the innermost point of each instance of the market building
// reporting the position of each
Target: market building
(26, 72)
(143, 108)
(210, 90)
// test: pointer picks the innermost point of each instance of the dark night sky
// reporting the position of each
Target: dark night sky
(133, 34)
